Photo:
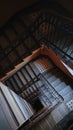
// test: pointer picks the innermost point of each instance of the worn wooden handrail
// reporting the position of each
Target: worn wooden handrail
(56, 60)
(44, 51)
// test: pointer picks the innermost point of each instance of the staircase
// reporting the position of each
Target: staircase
(41, 81)
(25, 32)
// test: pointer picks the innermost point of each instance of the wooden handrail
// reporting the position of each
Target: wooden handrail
(44, 51)
(56, 60)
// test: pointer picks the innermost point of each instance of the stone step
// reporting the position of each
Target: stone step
(66, 90)
(61, 86)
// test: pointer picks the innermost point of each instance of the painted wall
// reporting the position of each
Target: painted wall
(3, 121)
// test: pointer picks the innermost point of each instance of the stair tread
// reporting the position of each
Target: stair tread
(25, 74)
(65, 90)
(68, 96)
(56, 82)
(34, 68)
(61, 86)
(30, 71)
(21, 77)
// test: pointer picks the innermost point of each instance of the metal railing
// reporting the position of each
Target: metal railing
(17, 42)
